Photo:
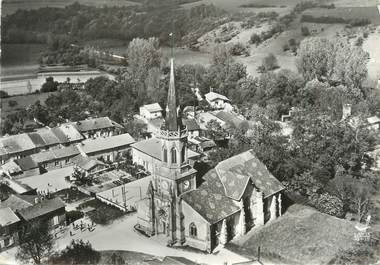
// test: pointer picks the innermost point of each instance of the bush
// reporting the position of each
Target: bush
(359, 41)
(269, 63)
(365, 35)
(285, 47)
(305, 31)
(12, 103)
(78, 252)
(328, 204)
(3, 94)
(292, 42)
(50, 85)
(255, 39)
(239, 49)
(72, 216)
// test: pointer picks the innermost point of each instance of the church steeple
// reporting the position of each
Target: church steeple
(172, 118)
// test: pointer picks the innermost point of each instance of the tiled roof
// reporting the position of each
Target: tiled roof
(37, 139)
(15, 202)
(94, 124)
(41, 208)
(16, 143)
(48, 136)
(11, 168)
(26, 163)
(86, 162)
(65, 152)
(236, 171)
(43, 157)
(100, 144)
(211, 96)
(154, 107)
(7, 217)
(229, 117)
(67, 133)
(191, 124)
(151, 146)
(54, 154)
(209, 199)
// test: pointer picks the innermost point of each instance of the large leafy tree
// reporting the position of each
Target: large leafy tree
(35, 243)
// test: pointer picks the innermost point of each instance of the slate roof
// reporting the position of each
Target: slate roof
(154, 107)
(100, 144)
(7, 217)
(94, 124)
(209, 199)
(152, 147)
(236, 171)
(26, 163)
(211, 96)
(15, 144)
(191, 124)
(41, 208)
(15, 202)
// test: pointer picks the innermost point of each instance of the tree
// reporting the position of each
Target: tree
(305, 31)
(143, 55)
(334, 61)
(269, 63)
(36, 243)
(215, 130)
(78, 252)
(221, 56)
(50, 85)
(3, 94)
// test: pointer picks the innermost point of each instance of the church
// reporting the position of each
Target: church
(234, 197)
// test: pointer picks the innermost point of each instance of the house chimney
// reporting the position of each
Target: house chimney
(36, 200)
(211, 89)
(346, 112)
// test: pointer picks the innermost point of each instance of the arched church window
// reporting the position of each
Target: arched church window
(193, 230)
(165, 155)
(174, 155)
(183, 154)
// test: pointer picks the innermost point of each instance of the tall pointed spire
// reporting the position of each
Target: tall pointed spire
(171, 108)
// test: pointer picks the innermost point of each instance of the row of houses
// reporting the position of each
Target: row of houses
(105, 149)
(43, 139)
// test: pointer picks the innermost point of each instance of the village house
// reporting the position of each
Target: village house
(192, 127)
(151, 111)
(9, 227)
(55, 158)
(218, 101)
(88, 165)
(97, 127)
(17, 212)
(107, 149)
(16, 146)
(237, 195)
(201, 144)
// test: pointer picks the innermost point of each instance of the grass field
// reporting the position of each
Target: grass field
(11, 6)
(22, 102)
(301, 236)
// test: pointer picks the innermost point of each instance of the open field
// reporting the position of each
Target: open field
(365, 12)
(301, 236)
(22, 102)
(11, 6)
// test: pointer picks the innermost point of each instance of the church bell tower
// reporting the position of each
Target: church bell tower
(175, 175)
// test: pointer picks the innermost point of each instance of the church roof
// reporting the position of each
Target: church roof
(172, 122)
(209, 199)
(236, 171)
